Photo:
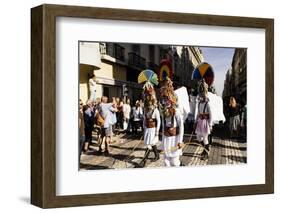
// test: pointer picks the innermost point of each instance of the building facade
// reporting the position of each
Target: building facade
(119, 64)
(184, 60)
(235, 83)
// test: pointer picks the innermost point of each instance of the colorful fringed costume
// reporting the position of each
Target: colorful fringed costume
(151, 121)
(203, 118)
(172, 121)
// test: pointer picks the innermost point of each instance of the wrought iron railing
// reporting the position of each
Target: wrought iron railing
(152, 66)
(113, 50)
(136, 60)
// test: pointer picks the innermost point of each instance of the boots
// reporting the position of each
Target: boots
(86, 147)
(99, 151)
(210, 138)
(156, 153)
(106, 153)
(143, 161)
(205, 153)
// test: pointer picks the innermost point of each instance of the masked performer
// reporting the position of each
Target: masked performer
(172, 122)
(204, 118)
(151, 121)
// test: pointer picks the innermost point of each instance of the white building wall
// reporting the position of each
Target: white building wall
(90, 54)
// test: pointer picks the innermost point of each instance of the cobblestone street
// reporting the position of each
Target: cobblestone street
(128, 151)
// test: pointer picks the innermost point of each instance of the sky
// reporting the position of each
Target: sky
(220, 59)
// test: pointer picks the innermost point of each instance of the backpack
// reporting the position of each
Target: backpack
(99, 120)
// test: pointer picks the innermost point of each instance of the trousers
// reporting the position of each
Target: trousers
(172, 161)
(203, 138)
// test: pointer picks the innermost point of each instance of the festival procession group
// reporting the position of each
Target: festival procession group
(164, 113)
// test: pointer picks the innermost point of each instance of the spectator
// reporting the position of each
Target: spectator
(97, 127)
(137, 117)
(141, 103)
(119, 113)
(88, 114)
(106, 111)
(81, 125)
(244, 120)
(234, 117)
(126, 114)
(113, 120)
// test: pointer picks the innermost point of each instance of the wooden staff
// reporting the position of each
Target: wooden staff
(133, 151)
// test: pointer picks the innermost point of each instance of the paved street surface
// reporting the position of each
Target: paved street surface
(128, 151)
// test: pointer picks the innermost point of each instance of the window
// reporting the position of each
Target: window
(136, 48)
(151, 53)
(105, 91)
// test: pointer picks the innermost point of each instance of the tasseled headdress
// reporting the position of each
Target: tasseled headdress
(168, 99)
(202, 91)
(149, 94)
(202, 88)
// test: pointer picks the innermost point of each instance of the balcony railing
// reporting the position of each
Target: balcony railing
(152, 66)
(136, 60)
(113, 50)
(242, 77)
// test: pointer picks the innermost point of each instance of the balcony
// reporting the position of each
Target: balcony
(114, 50)
(242, 77)
(90, 54)
(152, 66)
(136, 61)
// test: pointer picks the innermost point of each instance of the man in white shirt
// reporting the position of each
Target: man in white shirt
(137, 117)
(106, 110)
(126, 114)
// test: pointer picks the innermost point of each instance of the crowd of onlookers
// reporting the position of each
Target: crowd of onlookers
(107, 118)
